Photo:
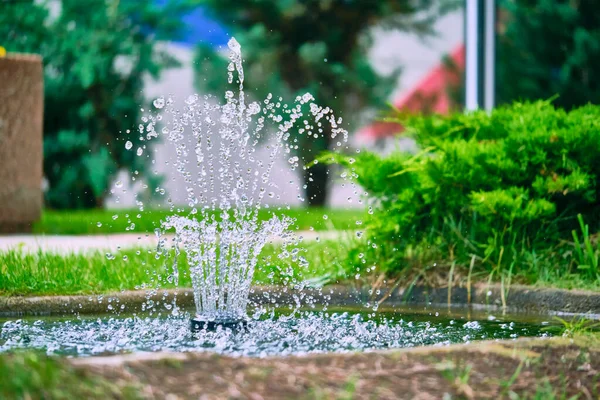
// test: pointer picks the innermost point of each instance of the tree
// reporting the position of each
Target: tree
(96, 54)
(296, 46)
(549, 47)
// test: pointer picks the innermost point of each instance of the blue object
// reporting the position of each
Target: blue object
(202, 29)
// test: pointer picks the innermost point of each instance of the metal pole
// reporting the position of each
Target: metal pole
(490, 55)
(471, 55)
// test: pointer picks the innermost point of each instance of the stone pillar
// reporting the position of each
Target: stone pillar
(21, 147)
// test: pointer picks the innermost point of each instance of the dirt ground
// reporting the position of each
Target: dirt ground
(528, 368)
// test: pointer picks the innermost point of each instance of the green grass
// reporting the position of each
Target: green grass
(76, 222)
(452, 258)
(32, 375)
(45, 273)
(576, 326)
(436, 259)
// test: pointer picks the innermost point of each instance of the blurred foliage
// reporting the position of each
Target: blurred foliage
(504, 187)
(96, 55)
(551, 47)
(292, 47)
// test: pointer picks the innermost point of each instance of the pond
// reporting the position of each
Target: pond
(270, 332)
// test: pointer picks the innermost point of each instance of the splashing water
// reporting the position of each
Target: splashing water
(222, 249)
(271, 334)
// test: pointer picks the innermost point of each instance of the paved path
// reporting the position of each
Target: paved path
(85, 243)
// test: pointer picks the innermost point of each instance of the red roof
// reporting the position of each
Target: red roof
(429, 95)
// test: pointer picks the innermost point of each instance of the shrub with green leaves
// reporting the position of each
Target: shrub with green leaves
(494, 185)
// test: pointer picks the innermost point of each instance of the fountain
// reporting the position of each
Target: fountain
(222, 250)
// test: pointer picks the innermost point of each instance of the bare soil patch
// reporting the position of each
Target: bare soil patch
(529, 368)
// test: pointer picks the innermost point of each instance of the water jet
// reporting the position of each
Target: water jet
(222, 237)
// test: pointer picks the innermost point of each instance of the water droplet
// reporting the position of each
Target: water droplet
(128, 145)
(253, 108)
(159, 102)
(192, 99)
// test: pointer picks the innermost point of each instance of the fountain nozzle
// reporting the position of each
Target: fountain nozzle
(212, 323)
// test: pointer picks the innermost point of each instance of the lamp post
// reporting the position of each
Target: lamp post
(480, 40)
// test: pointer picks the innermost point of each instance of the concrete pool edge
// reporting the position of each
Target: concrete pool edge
(519, 298)
(477, 345)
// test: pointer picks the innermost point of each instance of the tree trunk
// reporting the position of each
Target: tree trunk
(316, 179)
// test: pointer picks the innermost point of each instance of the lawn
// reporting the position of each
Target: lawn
(45, 273)
(76, 222)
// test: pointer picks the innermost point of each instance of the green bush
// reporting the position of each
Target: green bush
(499, 186)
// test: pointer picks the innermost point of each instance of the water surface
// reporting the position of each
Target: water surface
(274, 332)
